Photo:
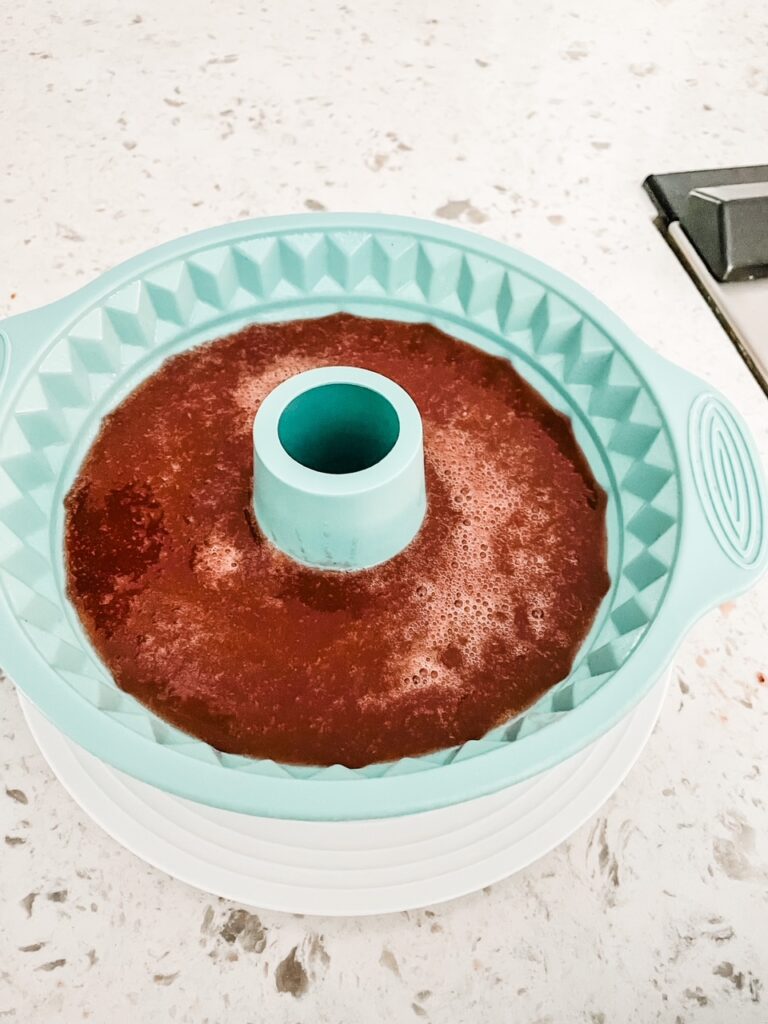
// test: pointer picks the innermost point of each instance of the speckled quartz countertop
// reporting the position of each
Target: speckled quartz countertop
(126, 125)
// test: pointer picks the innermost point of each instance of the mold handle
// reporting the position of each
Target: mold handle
(724, 535)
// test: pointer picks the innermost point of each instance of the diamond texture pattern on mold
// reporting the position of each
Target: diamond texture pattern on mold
(271, 277)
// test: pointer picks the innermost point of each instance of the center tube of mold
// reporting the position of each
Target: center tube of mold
(338, 478)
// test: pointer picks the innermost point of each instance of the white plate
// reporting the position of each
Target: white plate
(350, 868)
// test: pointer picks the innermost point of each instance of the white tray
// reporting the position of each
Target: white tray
(350, 868)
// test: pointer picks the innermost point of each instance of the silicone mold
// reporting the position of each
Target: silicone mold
(686, 510)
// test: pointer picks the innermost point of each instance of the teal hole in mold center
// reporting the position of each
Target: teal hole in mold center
(339, 428)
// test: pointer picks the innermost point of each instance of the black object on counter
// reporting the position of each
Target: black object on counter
(724, 213)
(716, 223)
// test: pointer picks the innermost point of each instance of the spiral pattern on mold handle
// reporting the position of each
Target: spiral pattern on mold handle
(727, 480)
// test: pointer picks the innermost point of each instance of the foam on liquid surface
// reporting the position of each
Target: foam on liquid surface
(200, 618)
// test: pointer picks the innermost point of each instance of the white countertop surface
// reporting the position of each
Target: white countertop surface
(125, 126)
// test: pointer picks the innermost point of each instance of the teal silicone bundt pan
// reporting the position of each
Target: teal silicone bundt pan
(686, 512)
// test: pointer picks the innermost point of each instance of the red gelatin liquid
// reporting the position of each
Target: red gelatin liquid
(206, 623)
